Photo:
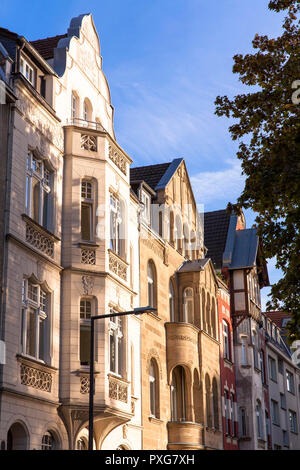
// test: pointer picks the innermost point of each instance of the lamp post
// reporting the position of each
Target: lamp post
(136, 311)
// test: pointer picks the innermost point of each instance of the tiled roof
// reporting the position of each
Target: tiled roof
(151, 174)
(45, 47)
(245, 249)
(193, 266)
(216, 225)
(277, 317)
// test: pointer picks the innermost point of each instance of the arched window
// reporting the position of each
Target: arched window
(85, 331)
(215, 403)
(48, 441)
(186, 241)
(172, 229)
(87, 110)
(151, 282)
(154, 389)
(178, 233)
(203, 310)
(213, 318)
(178, 394)
(188, 305)
(232, 414)
(208, 314)
(171, 302)
(208, 401)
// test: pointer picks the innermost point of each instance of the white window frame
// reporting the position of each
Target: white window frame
(115, 225)
(74, 106)
(226, 340)
(290, 384)
(146, 210)
(41, 315)
(151, 284)
(153, 389)
(27, 71)
(116, 333)
(36, 170)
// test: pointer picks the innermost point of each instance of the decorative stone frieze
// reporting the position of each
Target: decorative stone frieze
(118, 159)
(117, 265)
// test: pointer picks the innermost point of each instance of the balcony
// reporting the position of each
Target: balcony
(96, 126)
(185, 435)
(117, 265)
(182, 344)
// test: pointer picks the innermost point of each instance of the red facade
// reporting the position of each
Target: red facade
(227, 371)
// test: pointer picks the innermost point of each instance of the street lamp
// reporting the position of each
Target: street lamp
(136, 311)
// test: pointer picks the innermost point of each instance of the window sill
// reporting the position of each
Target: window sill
(154, 419)
(84, 244)
(153, 315)
(246, 366)
(228, 361)
(123, 260)
(112, 375)
(32, 362)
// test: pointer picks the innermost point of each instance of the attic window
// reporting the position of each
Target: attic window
(146, 201)
(27, 70)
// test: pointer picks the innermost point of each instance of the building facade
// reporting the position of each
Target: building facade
(67, 254)
(180, 342)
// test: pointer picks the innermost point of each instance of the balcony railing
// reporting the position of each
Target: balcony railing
(84, 123)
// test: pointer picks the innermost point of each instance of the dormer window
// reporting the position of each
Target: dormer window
(27, 70)
(146, 201)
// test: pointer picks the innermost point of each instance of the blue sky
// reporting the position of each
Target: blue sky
(166, 61)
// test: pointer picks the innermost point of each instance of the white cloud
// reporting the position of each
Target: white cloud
(218, 187)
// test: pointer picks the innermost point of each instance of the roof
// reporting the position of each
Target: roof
(245, 249)
(151, 174)
(156, 176)
(216, 225)
(278, 317)
(192, 266)
(45, 47)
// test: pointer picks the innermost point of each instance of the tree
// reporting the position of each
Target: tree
(267, 125)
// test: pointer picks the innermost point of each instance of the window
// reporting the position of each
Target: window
(244, 350)
(146, 201)
(87, 204)
(255, 355)
(39, 191)
(74, 106)
(117, 234)
(259, 420)
(215, 403)
(232, 414)
(48, 442)
(27, 71)
(285, 439)
(280, 366)
(293, 421)
(290, 382)
(151, 284)
(85, 331)
(272, 369)
(178, 400)
(242, 422)
(226, 342)
(154, 390)
(188, 305)
(262, 366)
(35, 321)
(116, 342)
(171, 302)
(267, 422)
(226, 406)
(283, 401)
(275, 412)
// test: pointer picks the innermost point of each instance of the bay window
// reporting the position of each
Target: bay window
(87, 210)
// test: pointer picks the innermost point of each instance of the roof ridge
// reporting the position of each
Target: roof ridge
(147, 166)
(50, 37)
